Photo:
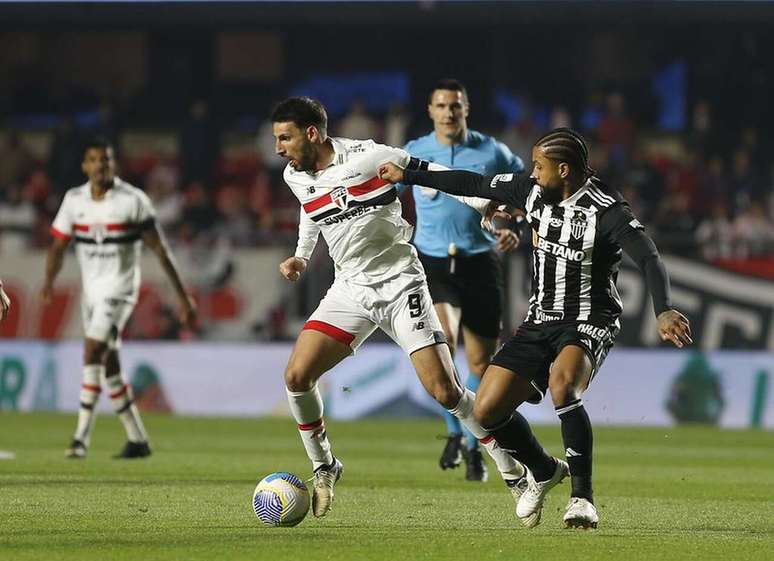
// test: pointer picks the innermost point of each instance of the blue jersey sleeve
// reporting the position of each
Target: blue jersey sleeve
(507, 160)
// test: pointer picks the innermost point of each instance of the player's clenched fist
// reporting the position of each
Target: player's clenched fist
(292, 267)
(390, 172)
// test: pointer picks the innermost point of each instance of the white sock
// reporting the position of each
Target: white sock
(87, 414)
(123, 405)
(508, 467)
(307, 410)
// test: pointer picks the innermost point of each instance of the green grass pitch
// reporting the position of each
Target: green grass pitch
(663, 494)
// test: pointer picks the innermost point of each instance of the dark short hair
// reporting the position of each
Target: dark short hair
(97, 142)
(566, 145)
(449, 84)
(303, 112)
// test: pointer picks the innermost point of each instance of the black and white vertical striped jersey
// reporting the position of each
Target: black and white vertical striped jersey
(577, 244)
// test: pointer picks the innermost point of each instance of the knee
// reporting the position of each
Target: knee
(562, 383)
(112, 364)
(94, 353)
(485, 411)
(478, 367)
(297, 379)
(446, 393)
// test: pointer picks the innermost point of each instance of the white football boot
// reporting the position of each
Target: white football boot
(76, 450)
(325, 477)
(517, 486)
(530, 507)
(581, 513)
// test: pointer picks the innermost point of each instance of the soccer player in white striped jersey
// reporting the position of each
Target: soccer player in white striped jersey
(109, 220)
(379, 282)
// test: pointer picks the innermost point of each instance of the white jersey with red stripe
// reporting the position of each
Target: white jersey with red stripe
(358, 214)
(108, 237)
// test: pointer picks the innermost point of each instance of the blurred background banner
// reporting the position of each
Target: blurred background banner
(200, 379)
(728, 389)
(242, 298)
(236, 294)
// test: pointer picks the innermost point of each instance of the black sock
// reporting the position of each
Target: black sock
(515, 436)
(578, 444)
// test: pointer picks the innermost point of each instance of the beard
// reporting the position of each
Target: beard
(551, 195)
(103, 180)
(306, 160)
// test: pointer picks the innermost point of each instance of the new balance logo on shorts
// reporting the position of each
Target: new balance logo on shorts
(418, 326)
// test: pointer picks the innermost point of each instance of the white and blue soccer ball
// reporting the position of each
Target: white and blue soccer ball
(281, 499)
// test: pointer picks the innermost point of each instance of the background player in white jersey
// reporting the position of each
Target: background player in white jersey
(379, 282)
(109, 220)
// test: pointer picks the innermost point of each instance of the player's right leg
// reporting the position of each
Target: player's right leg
(315, 353)
(451, 456)
(502, 390)
(333, 332)
(93, 371)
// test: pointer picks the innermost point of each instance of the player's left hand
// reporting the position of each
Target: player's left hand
(5, 303)
(674, 326)
(187, 315)
(496, 211)
(507, 240)
(390, 172)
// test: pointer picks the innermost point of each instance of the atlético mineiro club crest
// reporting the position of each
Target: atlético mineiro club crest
(578, 224)
(339, 197)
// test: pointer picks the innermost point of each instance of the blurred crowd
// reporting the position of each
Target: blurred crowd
(706, 192)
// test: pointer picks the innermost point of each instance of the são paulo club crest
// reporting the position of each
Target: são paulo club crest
(578, 224)
(339, 197)
(99, 232)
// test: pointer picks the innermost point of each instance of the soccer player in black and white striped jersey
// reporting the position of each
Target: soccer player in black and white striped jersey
(579, 228)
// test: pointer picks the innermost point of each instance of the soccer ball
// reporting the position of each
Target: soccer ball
(281, 499)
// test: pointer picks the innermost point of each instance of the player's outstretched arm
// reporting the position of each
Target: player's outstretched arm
(154, 240)
(54, 260)
(5, 303)
(508, 188)
(292, 267)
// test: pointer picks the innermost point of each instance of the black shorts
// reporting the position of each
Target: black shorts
(475, 285)
(532, 348)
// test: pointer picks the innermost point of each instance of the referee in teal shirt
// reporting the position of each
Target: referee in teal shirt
(461, 260)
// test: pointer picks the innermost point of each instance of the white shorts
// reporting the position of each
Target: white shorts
(104, 318)
(401, 307)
